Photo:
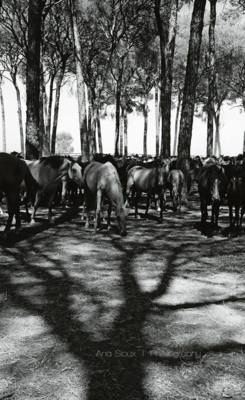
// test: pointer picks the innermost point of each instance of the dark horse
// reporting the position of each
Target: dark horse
(148, 180)
(212, 186)
(47, 173)
(177, 187)
(13, 172)
(102, 181)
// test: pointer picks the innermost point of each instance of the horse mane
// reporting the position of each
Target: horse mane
(54, 162)
(103, 158)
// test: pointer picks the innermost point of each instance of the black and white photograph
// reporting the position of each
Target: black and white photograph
(122, 199)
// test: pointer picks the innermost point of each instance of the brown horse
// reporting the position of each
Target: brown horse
(148, 180)
(177, 187)
(102, 181)
(13, 172)
(47, 173)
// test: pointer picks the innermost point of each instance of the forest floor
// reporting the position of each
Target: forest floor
(159, 314)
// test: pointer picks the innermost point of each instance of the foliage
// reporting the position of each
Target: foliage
(64, 143)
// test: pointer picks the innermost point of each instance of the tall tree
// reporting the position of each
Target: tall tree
(3, 119)
(33, 134)
(211, 78)
(58, 52)
(191, 78)
(13, 62)
(176, 127)
(167, 27)
(74, 9)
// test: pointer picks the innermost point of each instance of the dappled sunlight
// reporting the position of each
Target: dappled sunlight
(79, 310)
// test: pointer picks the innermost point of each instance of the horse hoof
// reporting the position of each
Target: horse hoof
(32, 221)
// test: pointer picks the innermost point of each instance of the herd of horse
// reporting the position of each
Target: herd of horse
(120, 183)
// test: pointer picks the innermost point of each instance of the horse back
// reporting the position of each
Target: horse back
(144, 178)
(12, 171)
(104, 177)
(47, 173)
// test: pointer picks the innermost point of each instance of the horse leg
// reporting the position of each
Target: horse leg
(147, 204)
(237, 216)
(174, 200)
(136, 205)
(27, 208)
(204, 212)
(17, 213)
(98, 208)
(161, 200)
(109, 217)
(215, 214)
(230, 216)
(11, 206)
(50, 203)
(128, 190)
(164, 200)
(83, 211)
(241, 217)
(36, 204)
(87, 207)
(64, 191)
(180, 199)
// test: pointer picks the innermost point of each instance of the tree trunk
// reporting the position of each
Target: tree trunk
(145, 114)
(167, 27)
(217, 145)
(44, 110)
(125, 132)
(91, 121)
(4, 144)
(50, 103)
(42, 126)
(157, 120)
(74, 6)
(56, 110)
(33, 134)
(176, 128)
(118, 105)
(99, 130)
(95, 144)
(19, 111)
(121, 131)
(191, 77)
(211, 78)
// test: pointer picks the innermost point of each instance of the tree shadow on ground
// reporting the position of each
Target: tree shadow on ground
(114, 363)
(30, 230)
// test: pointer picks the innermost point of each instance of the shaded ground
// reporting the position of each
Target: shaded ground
(159, 314)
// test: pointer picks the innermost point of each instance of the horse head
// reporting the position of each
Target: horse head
(162, 172)
(121, 217)
(75, 173)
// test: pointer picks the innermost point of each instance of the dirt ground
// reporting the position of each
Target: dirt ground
(159, 314)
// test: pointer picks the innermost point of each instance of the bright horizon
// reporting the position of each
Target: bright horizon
(231, 128)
